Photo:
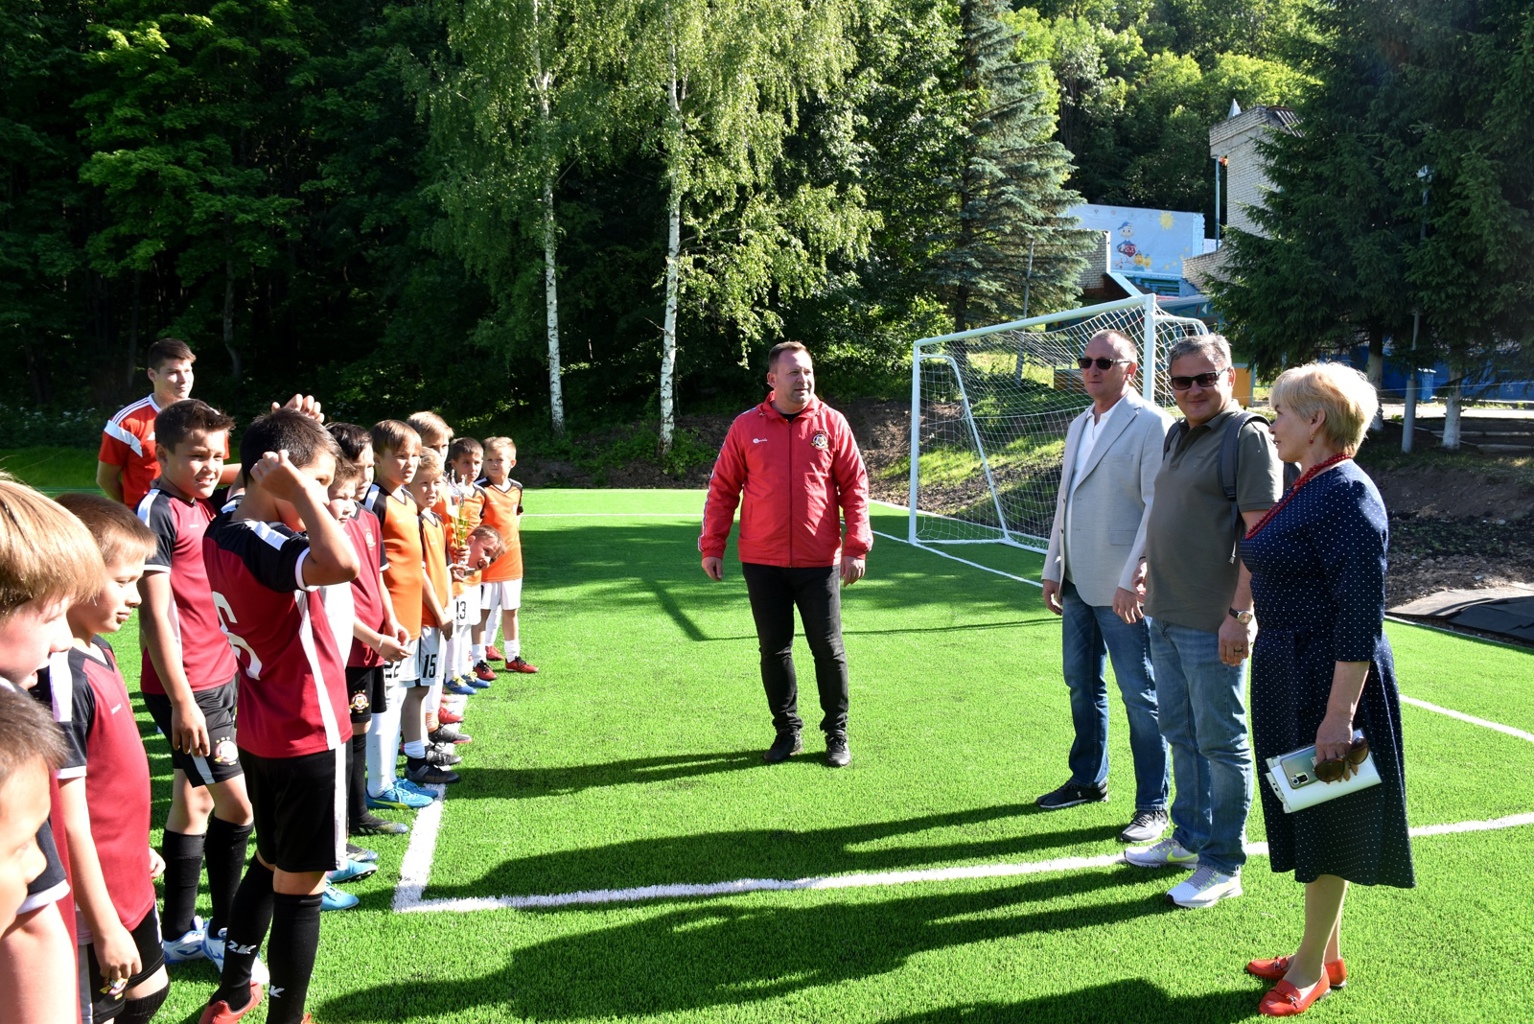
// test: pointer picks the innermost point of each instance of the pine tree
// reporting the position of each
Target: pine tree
(1008, 198)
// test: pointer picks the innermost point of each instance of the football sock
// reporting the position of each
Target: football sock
(183, 869)
(142, 1010)
(415, 749)
(225, 855)
(512, 650)
(249, 918)
(478, 653)
(383, 743)
(290, 955)
(357, 780)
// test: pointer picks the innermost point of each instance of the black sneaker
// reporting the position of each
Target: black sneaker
(837, 754)
(1144, 827)
(373, 825)
(447, 735)
(423, 773)
(1071, 794)
(784, 747)
(442, 757)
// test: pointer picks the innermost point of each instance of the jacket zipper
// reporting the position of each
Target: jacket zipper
(790, 488)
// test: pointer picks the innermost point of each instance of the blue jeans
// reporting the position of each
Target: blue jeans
(1203, 717)
(1090, 635)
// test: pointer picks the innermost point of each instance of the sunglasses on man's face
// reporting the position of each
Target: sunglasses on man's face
(1203, 380)
(1334, 769)
(1103, 362)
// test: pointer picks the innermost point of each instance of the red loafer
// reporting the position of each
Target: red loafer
(1276, 968)
(220, 1012)
(1284, 1000)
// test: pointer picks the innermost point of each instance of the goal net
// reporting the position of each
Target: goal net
(989, 412)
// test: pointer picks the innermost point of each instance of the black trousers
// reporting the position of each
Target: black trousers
(775, 592)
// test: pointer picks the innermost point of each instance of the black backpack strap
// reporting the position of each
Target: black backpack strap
(1172, 437)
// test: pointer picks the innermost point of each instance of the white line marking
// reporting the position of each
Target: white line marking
(956, 558)
(415, 869)
(1509, 730)
(828, 882)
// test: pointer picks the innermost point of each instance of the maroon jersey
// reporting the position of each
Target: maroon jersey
(90, 702)
(178, 526)
(292, 694)
(367, 587)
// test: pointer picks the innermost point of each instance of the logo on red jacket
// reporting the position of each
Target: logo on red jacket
(820, 441)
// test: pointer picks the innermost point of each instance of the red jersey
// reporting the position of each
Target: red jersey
(178, 525)
(90, 703)
(797, 476)
(404, 572)
(367, 586)
(292, 695)
(502, 507)
(128, 441)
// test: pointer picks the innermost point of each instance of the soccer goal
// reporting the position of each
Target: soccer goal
(989, 412)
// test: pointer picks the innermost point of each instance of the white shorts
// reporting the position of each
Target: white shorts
(461, 613)
(505, 595)
(405, 671)
(428, 663)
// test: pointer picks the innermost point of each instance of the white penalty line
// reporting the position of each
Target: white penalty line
(408, 896)
(1483, 723)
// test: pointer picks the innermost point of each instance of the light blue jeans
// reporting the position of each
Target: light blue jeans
(1203, 717)
(1089, 636)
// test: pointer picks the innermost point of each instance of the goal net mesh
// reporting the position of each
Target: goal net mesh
(990, 409)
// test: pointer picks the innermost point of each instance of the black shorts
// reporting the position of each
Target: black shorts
(300, 809)
(217, 706)
(365, 693)
(146, 936)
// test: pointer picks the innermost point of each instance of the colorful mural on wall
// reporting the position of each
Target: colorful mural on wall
(1145, 243)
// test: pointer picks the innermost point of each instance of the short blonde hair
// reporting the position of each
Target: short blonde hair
(394, 436)
(118, 532)
(431, 465)
(506, 444)
(1341, 392)
(432, 428)
(46, 554)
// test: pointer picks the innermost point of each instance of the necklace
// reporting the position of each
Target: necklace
(1309, 475)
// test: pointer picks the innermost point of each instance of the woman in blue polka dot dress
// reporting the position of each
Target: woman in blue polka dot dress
(1322, 668)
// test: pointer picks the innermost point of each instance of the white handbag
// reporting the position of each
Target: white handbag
(1294, 782)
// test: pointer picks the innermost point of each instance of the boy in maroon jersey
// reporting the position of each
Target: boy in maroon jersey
(31, 750)
(188, 683)
(104, 782)
(294, 723)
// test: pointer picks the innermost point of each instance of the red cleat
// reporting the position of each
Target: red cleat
(446, 717)
(483, 673)
(220, 1013)
(492, 653)
(518, 664)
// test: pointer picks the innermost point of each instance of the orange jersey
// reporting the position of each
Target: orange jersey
(468, 499)
(501, 510)
(404, 575)
(434, 551)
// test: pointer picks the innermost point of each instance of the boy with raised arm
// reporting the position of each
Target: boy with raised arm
(266, 577)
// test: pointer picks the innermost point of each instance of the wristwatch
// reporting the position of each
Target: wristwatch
(1244, 618)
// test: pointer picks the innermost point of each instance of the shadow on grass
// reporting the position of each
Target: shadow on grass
(727, 953)
(527, 783)
(988, 834)
(1132, 999)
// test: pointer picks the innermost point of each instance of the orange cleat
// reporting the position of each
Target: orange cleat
(447, 717)
(220, 1013)
(1284, 1000)
(519, 664)
(1275, 969)
(493, 653)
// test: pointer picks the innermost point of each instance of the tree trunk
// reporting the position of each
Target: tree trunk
(551, 309)
(236, 367)
(1454, 394)
(1377, 374)
(673, 282)
(131, 353)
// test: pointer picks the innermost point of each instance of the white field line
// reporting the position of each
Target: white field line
(962, 561)
(1483, 723)
(407, 898)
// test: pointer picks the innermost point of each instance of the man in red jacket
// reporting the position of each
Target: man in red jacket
(801, 473)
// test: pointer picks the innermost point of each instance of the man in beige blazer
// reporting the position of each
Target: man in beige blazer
(1094, 577)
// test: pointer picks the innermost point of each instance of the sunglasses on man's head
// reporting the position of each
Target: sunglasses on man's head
(1103, 362)
(1203, 380)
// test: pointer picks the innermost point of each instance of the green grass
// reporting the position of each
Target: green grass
(633, 759)
(51, 469)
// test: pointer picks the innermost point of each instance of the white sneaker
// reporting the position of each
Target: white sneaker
(213, 949)
(1204, 888)
(187, 947)
(1167, 853)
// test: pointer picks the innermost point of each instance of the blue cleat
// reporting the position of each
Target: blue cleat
(458, 686)
(400, 798)
(335, 899)
(351, 870)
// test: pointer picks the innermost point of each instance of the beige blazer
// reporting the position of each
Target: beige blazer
(1110, 504)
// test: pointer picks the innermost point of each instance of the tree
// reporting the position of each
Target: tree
(1006, 197)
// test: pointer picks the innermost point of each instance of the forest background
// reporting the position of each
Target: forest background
(552, 215)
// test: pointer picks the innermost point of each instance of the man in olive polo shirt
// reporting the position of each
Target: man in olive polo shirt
(1198, 603)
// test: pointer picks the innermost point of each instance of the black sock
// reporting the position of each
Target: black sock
(290, 955)
(183, 870)
(225, 856)
(249, 918)
(141, 1011)
(357, 780)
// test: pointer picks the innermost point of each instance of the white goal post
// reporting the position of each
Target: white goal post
(989, 412)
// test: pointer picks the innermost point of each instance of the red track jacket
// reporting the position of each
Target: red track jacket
(796, 476)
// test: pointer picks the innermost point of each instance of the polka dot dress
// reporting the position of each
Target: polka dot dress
(1318, 580)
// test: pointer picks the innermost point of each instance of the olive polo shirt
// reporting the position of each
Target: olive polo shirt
(1190, 542)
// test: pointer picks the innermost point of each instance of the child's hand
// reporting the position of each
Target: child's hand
(156, 864)
(447, 629)
(117, 954)
(276, 473)
(458, 571)
(306, 404)
(391, 650)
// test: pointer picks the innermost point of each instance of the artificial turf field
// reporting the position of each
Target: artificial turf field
(633, 760)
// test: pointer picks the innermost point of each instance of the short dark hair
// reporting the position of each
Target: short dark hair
(179, 420)
(286, 429)
(27, 733)
(784, 346)
(117, 531)
(347, 471)
(352, 439)
(464, 446)
(169, 350)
